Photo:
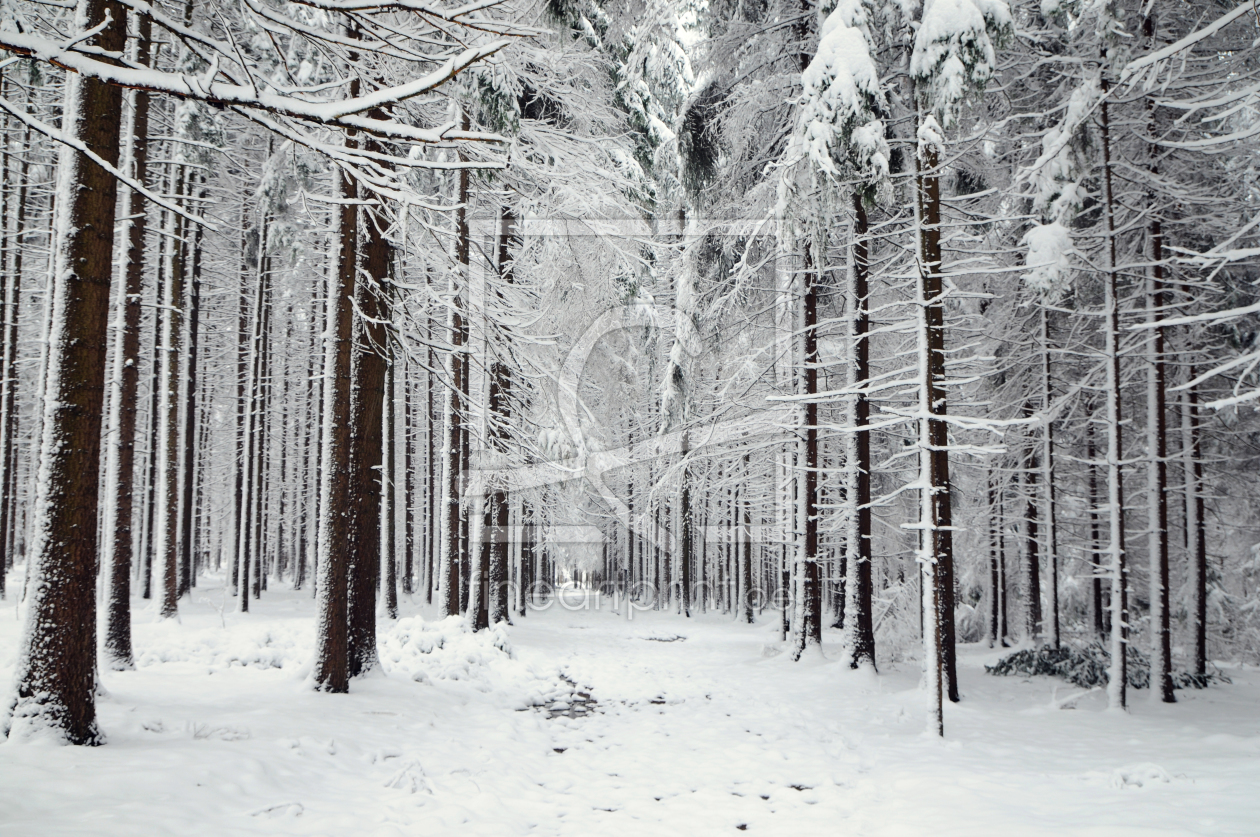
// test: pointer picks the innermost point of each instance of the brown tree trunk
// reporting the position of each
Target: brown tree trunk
(1157, 428)
(409, 483)
(1196, 531)
(242, 409)
(390, 557)
(187, 578)
(1032, 542)
(9, 370)
(501, 414)
(861, 631)
(55, 672)
(1095, 537)
(432, 521)
(1157, 476)
(1048, 478)
(994, 590)
(8, 301)
(748, 587)
(261, 433)
(1117, 687)
(247, 534)
(117, 645)
(1157, 488)
(331, 672)
(150, 484)
(809, 631)
(942, 535)
(167, 495)
(454, 557)
(367, 398)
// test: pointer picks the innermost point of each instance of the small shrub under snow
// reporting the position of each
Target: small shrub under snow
(449, 650)
(443, 650)
(1086, 665)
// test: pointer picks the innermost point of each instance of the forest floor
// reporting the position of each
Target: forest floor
(598, 724)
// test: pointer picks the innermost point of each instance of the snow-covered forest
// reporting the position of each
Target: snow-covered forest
(593, 416)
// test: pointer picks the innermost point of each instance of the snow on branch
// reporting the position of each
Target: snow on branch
(840, 125)
(78, 145)
(343, 113)
(954, 54)
(1136, 70)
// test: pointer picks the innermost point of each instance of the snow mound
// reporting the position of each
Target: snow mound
(257, 646)
(1139, 776)
(448, 650)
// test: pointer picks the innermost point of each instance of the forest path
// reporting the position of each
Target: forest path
(698, 726)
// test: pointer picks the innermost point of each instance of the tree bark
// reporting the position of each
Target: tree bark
(1196, 532)
(1032, 541)
(331, 672)
(938, 507)
(187, 579)
(389, 506)
(367, 399)
(9, 369)
(1048, 479)
(809, 630)
(501, 414)
(453, 555)
(858, 589)
(1117, 686)
(55, 671)
(166, 526)
(122, 459)
(1157, 474)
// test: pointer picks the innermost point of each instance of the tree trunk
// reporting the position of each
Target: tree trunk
(808, 630)
(150, 484)
(1157, 425)
(456, 399)
(500, 409)
(1196, 533)
(1032, 542)
(367, 399)
(685, 534)
(859, 621)
(247, 549)
(187, 578)
(409, 482)
(55, 671)
(1117, 686)
(9, 370)
(1095, 537)
(432, 521)
(1003, 626)
(937, 511)
(126, 376)
(1157, 475)
(389, 494)
(746, 573)
(331, 672)
(1048, 479)
(166, 526)
(242, 409)
(995, 592)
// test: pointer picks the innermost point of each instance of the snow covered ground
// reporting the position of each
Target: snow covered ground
(713, 732)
